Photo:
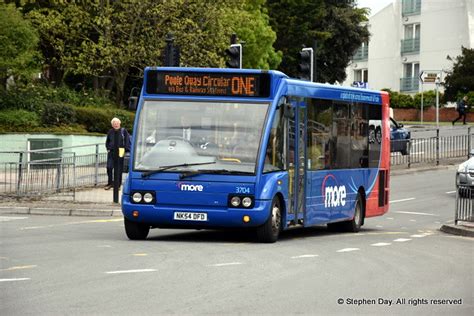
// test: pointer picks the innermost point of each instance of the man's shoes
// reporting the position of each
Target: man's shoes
(108, 187)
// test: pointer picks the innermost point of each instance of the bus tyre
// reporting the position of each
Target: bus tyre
(352, 225)
(268, 232)
(355, 224)
(136, 231)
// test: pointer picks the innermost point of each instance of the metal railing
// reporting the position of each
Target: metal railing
(410, 45)
(72, 167)
(410, 7)
(362, 53)
(409, 84)
(464, 205)
(432, 150)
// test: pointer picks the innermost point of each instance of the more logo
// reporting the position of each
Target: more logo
(191, 187)
(335, 196)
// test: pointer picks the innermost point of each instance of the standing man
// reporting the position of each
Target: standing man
(461, 108)
(117, 143)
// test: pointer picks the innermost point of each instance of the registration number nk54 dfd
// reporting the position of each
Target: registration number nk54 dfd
(190, 216)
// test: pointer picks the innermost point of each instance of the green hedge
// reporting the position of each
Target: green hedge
(19, 119)
(401, 100)
(33, 97)
(98, 120)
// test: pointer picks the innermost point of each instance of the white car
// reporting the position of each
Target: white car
(465, 176)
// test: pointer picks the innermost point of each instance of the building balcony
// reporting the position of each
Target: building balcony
(361, 54)
(409, 84)
(411, 7)
(410, 46)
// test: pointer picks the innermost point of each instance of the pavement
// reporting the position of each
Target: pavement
(99, 202)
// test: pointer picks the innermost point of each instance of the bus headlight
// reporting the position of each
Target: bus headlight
(137, 197)
(240, 201)
(247, 201)
(148, 197)
(235, 201)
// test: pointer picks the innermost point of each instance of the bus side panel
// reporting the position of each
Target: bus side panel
(378, 201)
(332, 194)
(273, 184)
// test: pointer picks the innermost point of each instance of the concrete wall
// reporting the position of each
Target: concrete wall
(19, 142)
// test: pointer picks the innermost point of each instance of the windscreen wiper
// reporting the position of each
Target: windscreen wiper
(163, 168)
(191, 173)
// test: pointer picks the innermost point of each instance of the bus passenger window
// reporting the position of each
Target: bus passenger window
(274, 154)
(319, 146)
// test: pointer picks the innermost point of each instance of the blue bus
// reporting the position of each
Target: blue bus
(254, 149)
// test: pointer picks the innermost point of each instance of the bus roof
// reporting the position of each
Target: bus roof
(248, 83)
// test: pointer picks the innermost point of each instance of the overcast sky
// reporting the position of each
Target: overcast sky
(374, 5)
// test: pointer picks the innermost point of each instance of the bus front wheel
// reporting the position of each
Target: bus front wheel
(268, 232)
(136, 231)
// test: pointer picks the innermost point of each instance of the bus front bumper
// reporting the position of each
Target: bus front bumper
(206, 217)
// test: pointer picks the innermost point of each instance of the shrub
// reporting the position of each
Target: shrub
(400, 100)
(33, 97)
(429, 99)
(16, 120)
(58, 114)
(98, 120)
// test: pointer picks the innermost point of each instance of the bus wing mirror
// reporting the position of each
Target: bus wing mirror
(288, 110)
(132, 103)
(133, 99)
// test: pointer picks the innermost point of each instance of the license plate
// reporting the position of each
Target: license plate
(190, 216)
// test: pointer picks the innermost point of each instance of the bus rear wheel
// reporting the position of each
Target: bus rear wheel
(355, 223)
(268, 232)
(136, 231)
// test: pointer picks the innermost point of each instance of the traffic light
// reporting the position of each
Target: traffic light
(172, 54)
(305, 64)
(176, 56)
(234, 53)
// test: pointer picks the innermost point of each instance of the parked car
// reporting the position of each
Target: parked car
(465, 176)
(399, 138)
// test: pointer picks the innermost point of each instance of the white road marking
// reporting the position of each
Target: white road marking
(403, 200)
(74, 223)
(419, 235)
(451, 192)
(390, 218)
(131, 271)
(415, 213)
(381, 244)
(402, 239)
(18, 268)
(348, 249)
(304, 256)
(412, 220)
(225, 264)
(10, 218)
(379, 226)
(13, 280)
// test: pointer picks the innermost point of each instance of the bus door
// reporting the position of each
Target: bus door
(296, 153)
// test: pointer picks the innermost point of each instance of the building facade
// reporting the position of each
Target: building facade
(409, 37)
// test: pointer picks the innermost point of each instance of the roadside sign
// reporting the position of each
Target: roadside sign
(360, 84)
(430, 76)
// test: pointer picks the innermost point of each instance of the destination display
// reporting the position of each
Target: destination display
(208, 83)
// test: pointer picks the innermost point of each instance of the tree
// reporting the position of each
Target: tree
(253, 28)
(460, 80)
(110, 40)
(19, 55)
(335, 25)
